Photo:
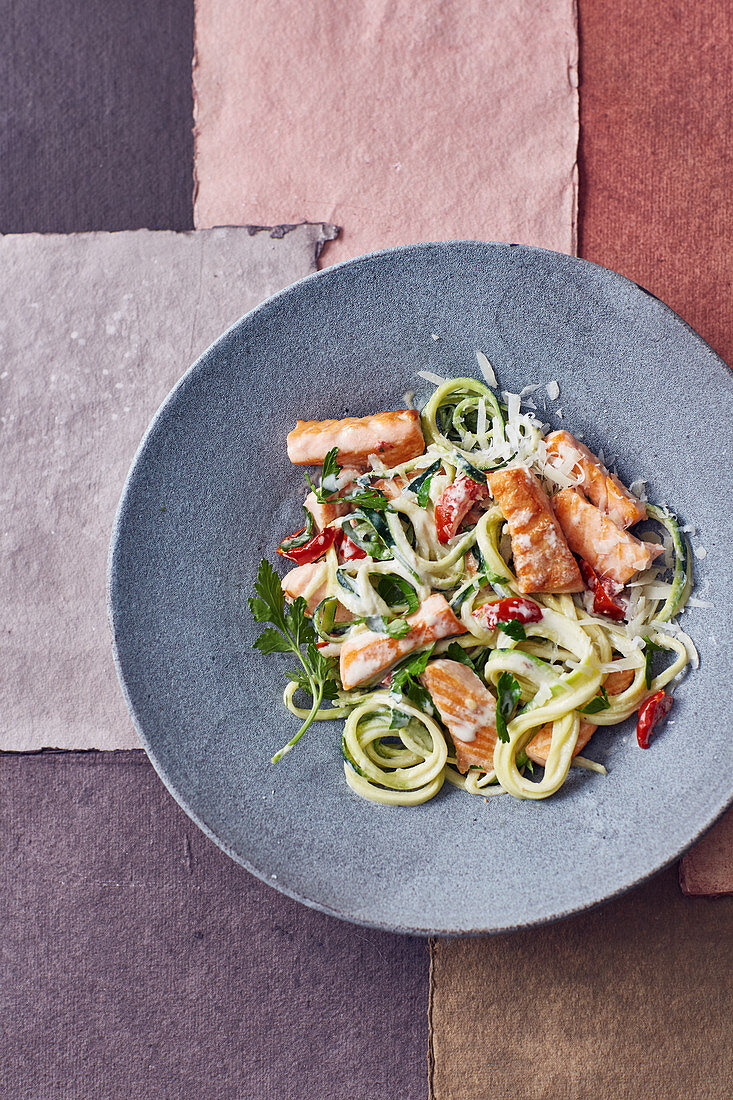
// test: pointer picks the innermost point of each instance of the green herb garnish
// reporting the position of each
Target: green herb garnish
(396, 592)
(405, 684)
(513, 629)
(649, 651)
(291, 632)
(395, 628)
(456, 652)
(507, 698)
(597, 703)
(362, 497)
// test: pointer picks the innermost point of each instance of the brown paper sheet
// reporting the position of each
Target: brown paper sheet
(632, 1000)
(96, 330)
(708, 867)
(400, 122)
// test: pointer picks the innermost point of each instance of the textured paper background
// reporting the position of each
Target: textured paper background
(632, 1000)
(656, 202)
(708, 867)
(95, 330)
(656, 153)
(140, 962)
(95, 130)
(399, 121)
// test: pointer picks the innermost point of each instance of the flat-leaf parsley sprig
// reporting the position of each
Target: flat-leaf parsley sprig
(291, 632)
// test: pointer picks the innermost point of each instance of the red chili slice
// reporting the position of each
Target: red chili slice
(348, 550)
(454, 503)
(650, 713)
(604, 590)
(314, 549)
(513, 607)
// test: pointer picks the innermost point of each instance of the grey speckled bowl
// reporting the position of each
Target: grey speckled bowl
(211, 492)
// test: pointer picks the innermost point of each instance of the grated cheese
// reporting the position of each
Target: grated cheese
(430, 377)
(486, 369)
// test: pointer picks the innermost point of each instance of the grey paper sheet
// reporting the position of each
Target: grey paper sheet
(95, 329)
(140, 963)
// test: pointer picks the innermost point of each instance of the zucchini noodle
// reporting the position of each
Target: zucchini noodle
(534, 684)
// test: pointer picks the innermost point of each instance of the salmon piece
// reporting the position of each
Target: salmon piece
(392, 436)
(327, 512)
(299, 580)
(369, 654)
(390, 486)
(601, 487)
(467, 708)
(542, 559)
(608, 549)
(539, 747)
(616, 682)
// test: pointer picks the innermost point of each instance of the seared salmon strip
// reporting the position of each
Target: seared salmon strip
(312, 578)
(601, 487)
(392, 436)
(616, 682)
(608, 549)
(542, 560)
(369, 654)
(468, 710)
(539, 747)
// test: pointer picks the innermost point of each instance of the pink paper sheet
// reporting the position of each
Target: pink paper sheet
(96, 328)
(399, 121)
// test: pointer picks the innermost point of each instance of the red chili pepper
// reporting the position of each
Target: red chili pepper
(513, 607)
(348, 549)
(604, 590)
(314, 549)
(650, 712)
(454, 503)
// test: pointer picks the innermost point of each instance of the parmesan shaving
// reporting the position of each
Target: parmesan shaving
(430, 377)
(486, 369)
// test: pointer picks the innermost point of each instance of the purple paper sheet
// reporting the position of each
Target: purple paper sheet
(139, 961)
(96, 126)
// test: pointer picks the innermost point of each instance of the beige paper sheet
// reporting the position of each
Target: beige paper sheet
(398, 121)
(96, 328)
(632, 1001)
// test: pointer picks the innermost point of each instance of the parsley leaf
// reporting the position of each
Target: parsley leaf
(507, 697)
(405, 685)
(649, 651)
(396, 592)
(514, 629)
(293, 633)
(456, 652)
(395, 628)
(272, 641)
(597, 703)
(411, 668)
(423, 493)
